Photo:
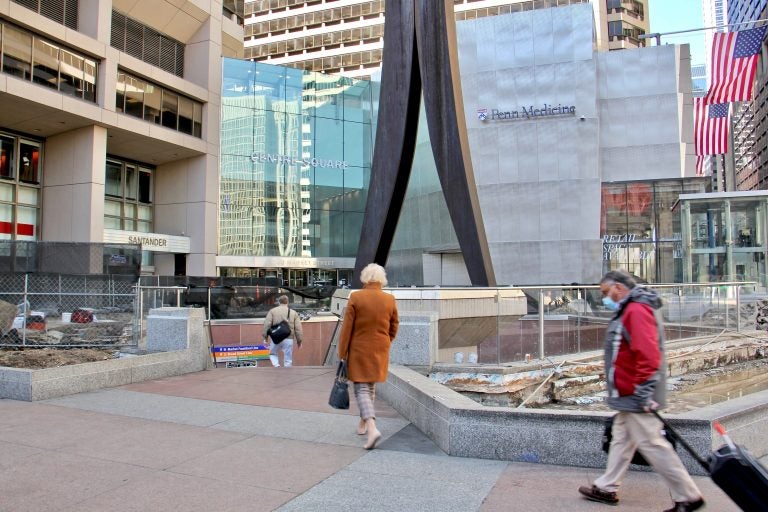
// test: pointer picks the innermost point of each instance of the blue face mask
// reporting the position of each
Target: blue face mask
(610, 303)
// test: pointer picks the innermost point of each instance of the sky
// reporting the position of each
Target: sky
(673, 15)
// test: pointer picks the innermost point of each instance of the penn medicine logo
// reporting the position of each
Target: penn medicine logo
(482, 114)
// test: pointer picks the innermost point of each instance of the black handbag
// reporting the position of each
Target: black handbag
(339, 398)
(638, 457)
(281, 330)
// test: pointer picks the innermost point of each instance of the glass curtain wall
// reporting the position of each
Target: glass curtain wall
(727, 239)
(296, 150)
(640, 232)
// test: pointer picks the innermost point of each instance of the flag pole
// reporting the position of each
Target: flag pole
(657, 35)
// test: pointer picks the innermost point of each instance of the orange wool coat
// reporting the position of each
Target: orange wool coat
(369, 326)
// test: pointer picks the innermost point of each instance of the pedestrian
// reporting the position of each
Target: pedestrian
(368, 329)
(276, 315)
(635, 375)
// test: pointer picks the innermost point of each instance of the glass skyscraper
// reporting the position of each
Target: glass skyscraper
(296, 150)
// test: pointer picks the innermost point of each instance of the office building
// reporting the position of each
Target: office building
(715, 14)
(109, 126)
(568, 186)
(346, 36)
(699, 79)
(749, 123)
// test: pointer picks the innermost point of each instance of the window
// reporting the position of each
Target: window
(54, 66)
(186, 114)
(113, 179)
(29, 162)
(6, 158)
(134, 96)
(170, 110)
(46, 64)
(19, 188)
(128, 196)
(71, 73)
(153, 100)
(17, 52)
(153, 103)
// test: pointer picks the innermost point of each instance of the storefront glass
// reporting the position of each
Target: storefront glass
(727, 233)
(641, 233)
(296, 150)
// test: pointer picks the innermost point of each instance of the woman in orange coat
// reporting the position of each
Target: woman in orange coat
(370, 325)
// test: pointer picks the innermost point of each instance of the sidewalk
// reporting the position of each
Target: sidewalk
(251, 439)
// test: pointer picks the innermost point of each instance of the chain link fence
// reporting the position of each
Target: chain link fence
(42, 309)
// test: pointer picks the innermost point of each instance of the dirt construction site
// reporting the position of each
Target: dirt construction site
(700, 372)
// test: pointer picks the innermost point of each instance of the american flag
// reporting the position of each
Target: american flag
(710, 125)
(734, 63)
(701, 160)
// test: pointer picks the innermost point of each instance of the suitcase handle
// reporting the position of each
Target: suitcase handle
(687, 447)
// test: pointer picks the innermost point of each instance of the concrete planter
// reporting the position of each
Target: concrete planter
(464, 428)
(180, 329)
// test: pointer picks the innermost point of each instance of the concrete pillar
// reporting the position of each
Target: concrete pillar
(186, 202)
(94, 19)
(73, 186)
(730, 270)
(685, 227)
(73, 193)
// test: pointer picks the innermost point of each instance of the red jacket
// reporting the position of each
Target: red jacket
(634, 358)
(639, 359)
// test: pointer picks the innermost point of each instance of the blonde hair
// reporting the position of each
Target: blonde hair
(373, 273)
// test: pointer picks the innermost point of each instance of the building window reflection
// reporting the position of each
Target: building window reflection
(296, 148)
(50, 65)
(155, 104)
(639, 230)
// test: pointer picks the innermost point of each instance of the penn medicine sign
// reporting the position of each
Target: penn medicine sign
(529, 112)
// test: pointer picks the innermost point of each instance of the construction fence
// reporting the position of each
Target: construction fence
(44, 309)
(89, 310)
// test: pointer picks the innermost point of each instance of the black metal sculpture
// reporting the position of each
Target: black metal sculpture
(420, 49)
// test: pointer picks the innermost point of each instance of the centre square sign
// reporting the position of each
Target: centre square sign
(529, 112)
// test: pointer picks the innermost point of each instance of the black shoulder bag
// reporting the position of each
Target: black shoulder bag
(280, 331)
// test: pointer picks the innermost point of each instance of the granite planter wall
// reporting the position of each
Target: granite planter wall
(464, 428)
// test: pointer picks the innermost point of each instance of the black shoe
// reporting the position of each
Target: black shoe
(686, 506)
(594, 493)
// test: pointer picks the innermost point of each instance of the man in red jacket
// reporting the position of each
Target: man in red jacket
(635, 376)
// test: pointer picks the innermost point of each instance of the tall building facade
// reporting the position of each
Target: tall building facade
(715, 14)
(109, 126)
(567, 185)
(749, 125)
(346, 36)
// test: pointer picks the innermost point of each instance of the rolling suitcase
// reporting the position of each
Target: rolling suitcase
(734, 470)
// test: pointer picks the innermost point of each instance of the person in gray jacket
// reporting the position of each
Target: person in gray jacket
(275, 316)
(635, 376)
